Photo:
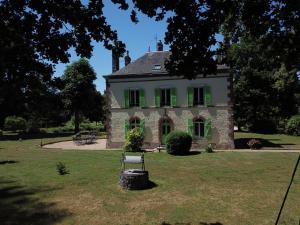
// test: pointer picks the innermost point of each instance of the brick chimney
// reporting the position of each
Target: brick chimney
(115, 62)
(159, 46)
(127, 59)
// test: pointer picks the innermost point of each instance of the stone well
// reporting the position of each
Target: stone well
(134, 179)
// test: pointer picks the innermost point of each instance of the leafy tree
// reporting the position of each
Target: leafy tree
(264, 91)
(35, 35)
(79, 90)
(36, 32)
(52, 28)
(13, 123)
(193, 25)
(97, 111)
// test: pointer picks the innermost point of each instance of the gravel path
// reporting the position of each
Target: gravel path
(70, 145)
(101, 145)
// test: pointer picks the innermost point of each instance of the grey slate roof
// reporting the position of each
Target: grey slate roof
(146, 63)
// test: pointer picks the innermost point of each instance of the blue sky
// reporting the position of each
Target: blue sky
(137, 37)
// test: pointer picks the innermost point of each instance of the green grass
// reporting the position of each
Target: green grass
(269, 140)
(229, 188)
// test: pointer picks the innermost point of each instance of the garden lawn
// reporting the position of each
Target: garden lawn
(268, 140)
(225, 187)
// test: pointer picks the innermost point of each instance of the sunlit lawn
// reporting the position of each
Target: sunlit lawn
(228, 188)
(269, 140)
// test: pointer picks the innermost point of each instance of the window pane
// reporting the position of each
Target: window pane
(196, 129)
(198, 96)
(168, 97)
(131, 99)
(202, 129)
(195, 96)
(162, 97)
(165, 97)
(134, 99)
(199, 128)
(201, 96)
(137, 98)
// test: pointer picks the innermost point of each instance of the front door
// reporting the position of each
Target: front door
(165, 130)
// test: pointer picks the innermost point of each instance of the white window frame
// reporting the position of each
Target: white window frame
(165, 94)
(198, 93)
(136, 101)
(134, 123)
(201, 121)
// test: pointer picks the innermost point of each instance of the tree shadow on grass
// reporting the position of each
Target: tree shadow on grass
(194, 153)
(19, 205)
(241, 143)
(3, 162)
(200, 223)
(151, 184)
(16, 136)
(190, 153)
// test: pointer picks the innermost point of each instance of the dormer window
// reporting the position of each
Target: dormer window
(156, 67)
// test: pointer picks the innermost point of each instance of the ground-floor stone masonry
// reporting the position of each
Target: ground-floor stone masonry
(220, 116)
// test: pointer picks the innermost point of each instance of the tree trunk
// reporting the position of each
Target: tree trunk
(76, 115)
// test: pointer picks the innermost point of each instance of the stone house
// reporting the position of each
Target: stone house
(143, 94)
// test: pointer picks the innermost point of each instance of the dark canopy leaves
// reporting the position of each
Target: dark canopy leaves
(37, 32)
(34, 35)
(193, 24)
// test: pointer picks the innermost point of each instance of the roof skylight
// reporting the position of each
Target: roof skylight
(156, 67)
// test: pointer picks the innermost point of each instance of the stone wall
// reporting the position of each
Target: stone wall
(219, 116)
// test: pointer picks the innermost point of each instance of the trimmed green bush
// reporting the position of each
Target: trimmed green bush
(13, 123)
(293, 126)
(134, 140)
(178, 143)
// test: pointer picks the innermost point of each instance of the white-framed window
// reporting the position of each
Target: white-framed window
(198, 96)
(199, 128)
(134, 122)
(165, 97)
(134, 97)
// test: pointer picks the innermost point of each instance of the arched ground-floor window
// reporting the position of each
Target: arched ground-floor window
(199, 128)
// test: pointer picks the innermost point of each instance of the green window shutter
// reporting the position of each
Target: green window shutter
(190, 96)
(157, 97)
(126, 98)
(207, 96)
(190, 127)
(142, 125)
(126, 127)
(142, 98)
(207, 129)
(173, 97)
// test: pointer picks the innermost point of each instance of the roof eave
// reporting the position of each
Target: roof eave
(114, 76)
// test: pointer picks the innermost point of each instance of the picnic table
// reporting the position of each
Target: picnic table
(80, 139)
